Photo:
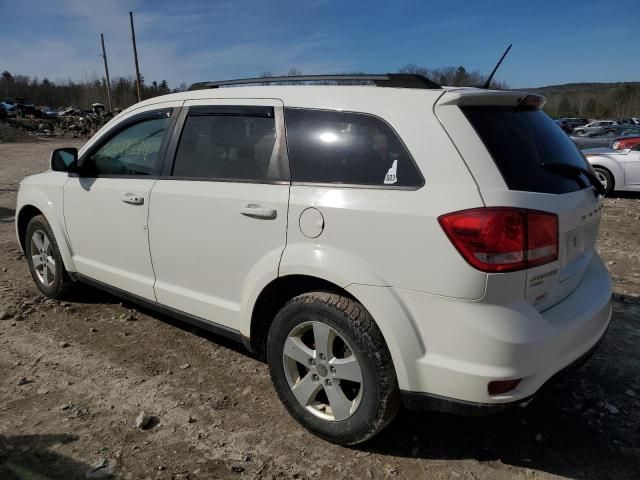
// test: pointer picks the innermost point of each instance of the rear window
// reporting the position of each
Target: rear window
(347, 148)
(520, 140)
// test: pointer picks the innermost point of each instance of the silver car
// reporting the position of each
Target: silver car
(616, 169)
(593, 126)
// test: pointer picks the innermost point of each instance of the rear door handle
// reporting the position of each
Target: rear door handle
(258, 211)
(132, 199)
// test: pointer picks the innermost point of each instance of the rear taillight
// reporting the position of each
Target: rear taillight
(503, 239)
(616, 145)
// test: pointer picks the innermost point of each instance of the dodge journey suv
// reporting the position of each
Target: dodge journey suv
(393, 243)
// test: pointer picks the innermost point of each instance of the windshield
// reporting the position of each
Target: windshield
(520, 140)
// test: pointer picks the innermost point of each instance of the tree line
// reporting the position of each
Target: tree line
(593, 100)
(82, 94)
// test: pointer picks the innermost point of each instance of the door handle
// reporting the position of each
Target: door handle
(253, 210)
(132, 199)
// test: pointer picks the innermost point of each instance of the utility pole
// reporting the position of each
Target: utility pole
(135, 58)
(106, 71)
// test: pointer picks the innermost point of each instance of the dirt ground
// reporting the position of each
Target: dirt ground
(75, 375)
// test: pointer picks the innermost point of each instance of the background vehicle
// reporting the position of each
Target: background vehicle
(618, 170)
(625, 143)
(8, 108)
(593, 126)
(48, 112)
(392, 250)
(604, 137)
(22, 106)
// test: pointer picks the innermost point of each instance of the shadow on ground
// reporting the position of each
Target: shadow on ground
(34, 457)
(7, 215)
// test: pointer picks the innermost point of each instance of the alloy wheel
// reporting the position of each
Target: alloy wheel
(42, 258)
(322, 371)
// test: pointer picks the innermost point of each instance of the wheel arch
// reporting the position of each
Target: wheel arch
(615, 169)
(275, 295)
(33, 209)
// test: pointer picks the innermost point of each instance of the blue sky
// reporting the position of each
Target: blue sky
(193, 40)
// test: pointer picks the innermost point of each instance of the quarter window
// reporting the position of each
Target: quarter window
(234, 146)
(347, 148)
(132, 151)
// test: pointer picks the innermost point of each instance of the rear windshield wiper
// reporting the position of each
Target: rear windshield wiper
(574, 171)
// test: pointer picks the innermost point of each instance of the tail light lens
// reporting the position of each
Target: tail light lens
(616, 145)
(502, 239)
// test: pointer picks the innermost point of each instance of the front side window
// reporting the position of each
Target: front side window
(347, 148)
(229, 147)
(132, 151)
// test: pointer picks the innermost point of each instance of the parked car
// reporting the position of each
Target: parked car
(3, 113)
(22, 106)
(625, 143)
(48, 112)
(392, 251)
(618, 170)
(593, 126)
(604, 137)
(9, 109)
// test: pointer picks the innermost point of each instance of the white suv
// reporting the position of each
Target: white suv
(416, 245)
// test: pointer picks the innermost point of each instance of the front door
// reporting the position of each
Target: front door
(218, 216)
(106, 206)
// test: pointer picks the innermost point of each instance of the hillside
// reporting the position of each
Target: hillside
(592, 100)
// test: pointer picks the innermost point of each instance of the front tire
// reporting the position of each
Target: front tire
(331, 368)
(45, 261)
(606, 179)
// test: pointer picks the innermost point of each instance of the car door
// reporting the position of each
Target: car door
(106, 204)
(632, 169)
(218, 214)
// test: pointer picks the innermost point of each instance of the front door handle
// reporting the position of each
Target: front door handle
(253, 210)
(132, 199)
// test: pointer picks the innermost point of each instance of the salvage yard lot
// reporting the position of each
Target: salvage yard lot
(75, 375)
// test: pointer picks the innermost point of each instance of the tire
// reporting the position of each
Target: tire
(606, 179)
(578, 132)
(358, 410)
(45, 261)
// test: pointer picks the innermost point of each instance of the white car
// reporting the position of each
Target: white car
(618, 170)
(380, 245)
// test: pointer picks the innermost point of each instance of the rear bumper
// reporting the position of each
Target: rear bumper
(468, 344)
(417, 401)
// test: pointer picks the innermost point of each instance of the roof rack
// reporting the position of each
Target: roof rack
(398, 80)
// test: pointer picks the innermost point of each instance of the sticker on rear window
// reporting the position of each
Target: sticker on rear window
(391, 177)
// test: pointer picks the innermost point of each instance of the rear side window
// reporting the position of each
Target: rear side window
(520, 140)
(228, 147)
(347, 148)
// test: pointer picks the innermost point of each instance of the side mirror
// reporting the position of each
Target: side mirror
(64, 159)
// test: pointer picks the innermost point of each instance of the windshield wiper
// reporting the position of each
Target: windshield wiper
(574, 172)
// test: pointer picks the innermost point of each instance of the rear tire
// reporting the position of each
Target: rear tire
(606, 179)
(346, 395)
(45, 261)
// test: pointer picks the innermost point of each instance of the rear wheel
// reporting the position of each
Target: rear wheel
(45, 261)
(606, 179)
(331, 368)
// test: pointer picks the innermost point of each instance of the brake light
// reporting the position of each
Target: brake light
(503, 239)
(616, 145)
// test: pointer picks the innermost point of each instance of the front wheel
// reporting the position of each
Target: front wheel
(331, 368)
(605, 179)
(45, 261)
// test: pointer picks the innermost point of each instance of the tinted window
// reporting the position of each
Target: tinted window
(520, 140)
(132, 151)
(349, 148)
(228, 147)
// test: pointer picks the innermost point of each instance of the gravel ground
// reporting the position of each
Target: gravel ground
(75, 376)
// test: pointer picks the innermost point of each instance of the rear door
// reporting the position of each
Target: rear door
(218, 214)
(505, 138)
